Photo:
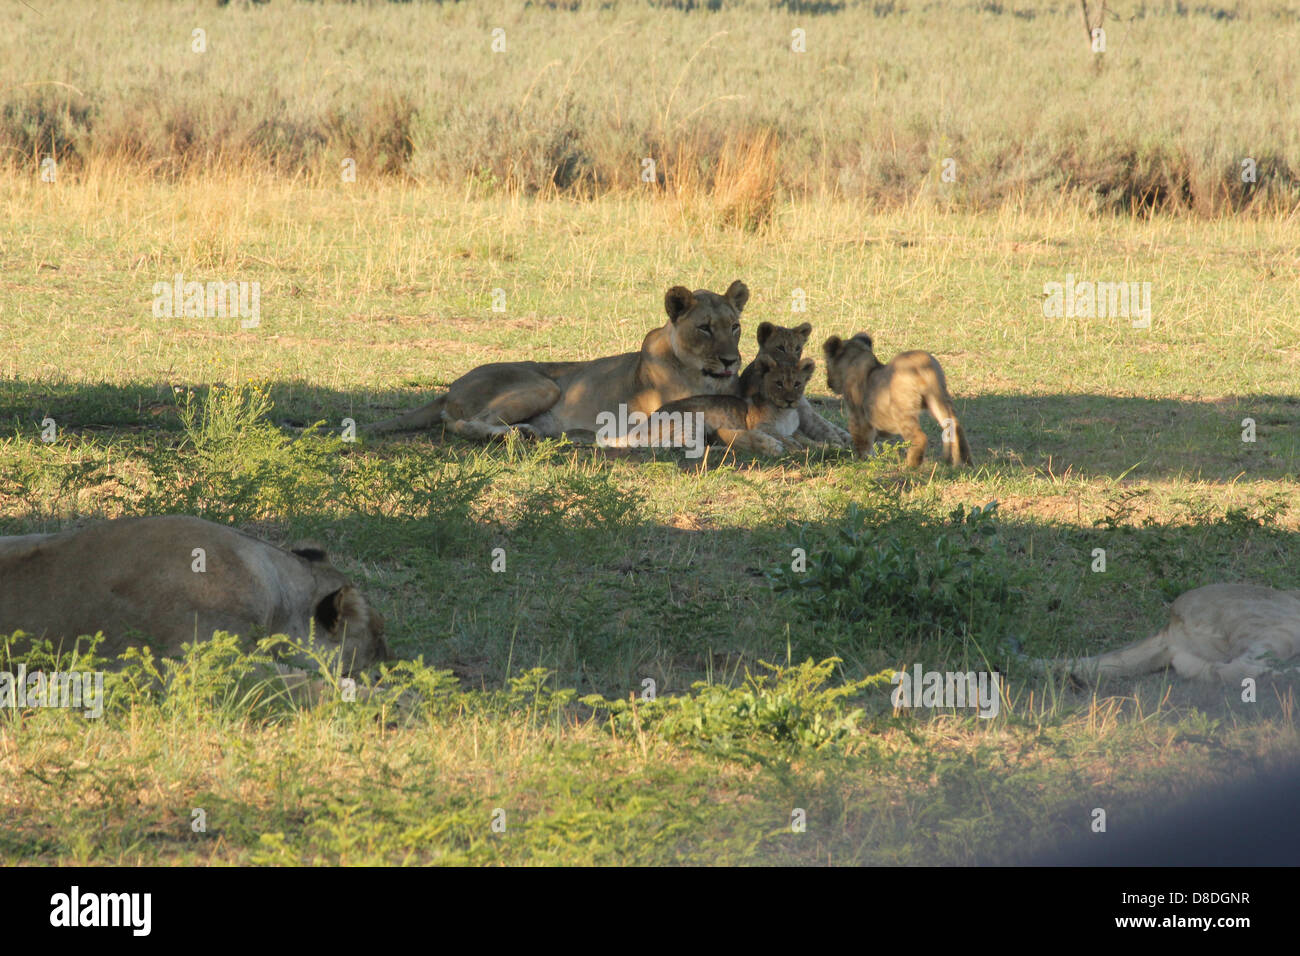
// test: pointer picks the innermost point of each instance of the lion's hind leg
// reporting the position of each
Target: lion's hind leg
(1252, 664)
(916, 444)
(510, 411)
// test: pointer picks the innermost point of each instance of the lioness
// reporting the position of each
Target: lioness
(175, 579)
(889, 398)
(697, 352)
(1221, 630)
(767, 422)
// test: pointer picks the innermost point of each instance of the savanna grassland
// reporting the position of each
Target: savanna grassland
(814, 177)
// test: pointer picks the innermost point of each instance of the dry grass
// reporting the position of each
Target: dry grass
(882, 96)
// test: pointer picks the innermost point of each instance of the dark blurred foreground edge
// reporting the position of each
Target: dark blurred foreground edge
(1250, 824)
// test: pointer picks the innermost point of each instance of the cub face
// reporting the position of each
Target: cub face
(704, 328)
(784, 345)
(842, 355)
(783, 385)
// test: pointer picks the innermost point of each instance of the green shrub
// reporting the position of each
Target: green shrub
(956, 577)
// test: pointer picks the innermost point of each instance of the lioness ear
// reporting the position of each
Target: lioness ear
(832, 346)
(865, 339)
(326, 613)
(737, 295)
(807, 367)
(308, 550)
(764, 330)
(803, 331)
(677, 300)
(344, 606)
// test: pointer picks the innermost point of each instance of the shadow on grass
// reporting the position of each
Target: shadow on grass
(1080, 435)
(586, 586)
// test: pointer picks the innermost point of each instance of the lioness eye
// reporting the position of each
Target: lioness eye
(735, 330)
(705, 330)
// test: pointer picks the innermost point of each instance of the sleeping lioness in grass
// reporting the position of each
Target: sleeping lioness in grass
(766, 423)
(175, 579)
(888, 399)
(697, 352)
(1222, 631)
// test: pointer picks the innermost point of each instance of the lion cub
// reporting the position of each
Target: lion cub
(764, 423)
(887, 399)
(783, 345)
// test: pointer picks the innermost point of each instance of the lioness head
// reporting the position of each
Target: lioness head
(841, 355)
(783, 384)
(341, 616)
(784, 345)
(705, 328)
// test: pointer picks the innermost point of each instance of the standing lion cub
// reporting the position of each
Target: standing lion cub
(887, 399)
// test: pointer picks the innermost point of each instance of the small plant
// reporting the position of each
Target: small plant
(579, 500)
(790, 707)
(235, 465)
(960, 578)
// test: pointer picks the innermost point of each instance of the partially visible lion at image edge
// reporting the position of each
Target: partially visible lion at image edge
(696, 352)
(138, 581)
(1223, 632)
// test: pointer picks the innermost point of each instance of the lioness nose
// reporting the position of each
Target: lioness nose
(728, 362)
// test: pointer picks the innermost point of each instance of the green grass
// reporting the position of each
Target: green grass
(628, 567)
(623, 567)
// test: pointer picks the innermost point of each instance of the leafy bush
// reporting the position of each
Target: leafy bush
(958, 578)
(234, 465)
(790, 707)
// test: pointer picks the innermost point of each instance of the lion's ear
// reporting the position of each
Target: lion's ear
(326, 613)
(803, 331)
(807, 367)
(737, 295)
(833, 346)
(765, 329)
(865, 339)
(345, 604)
(309, 550)
(677, 300)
